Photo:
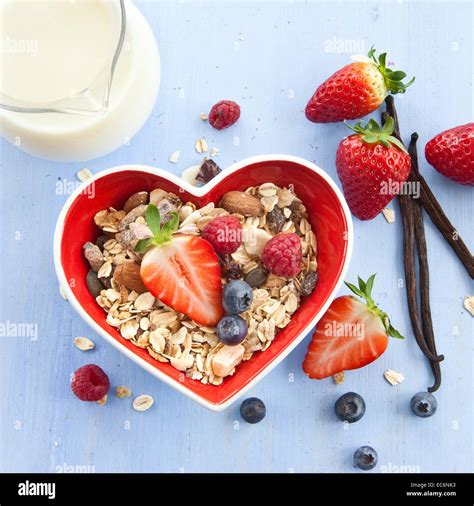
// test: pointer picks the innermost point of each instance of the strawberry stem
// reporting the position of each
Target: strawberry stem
(393, 78)
(161, 233)
(371, 133)
(364, 290)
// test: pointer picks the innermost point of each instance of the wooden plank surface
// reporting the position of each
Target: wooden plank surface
(269, 56)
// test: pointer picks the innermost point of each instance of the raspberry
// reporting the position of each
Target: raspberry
(282, 255)
(90, 383)
(224, 233)
(224, 114)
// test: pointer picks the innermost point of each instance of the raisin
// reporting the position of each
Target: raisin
(308, 284)
(275, 220)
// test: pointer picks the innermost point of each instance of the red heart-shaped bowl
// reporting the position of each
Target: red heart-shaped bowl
(328, 214)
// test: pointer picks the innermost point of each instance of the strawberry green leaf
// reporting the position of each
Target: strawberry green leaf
(361, 284)
(152, 216)
(171, 225)
(397, 75)
(388, 125)
(354, 289)
(393, 332)
(369, 285)
(142, 245)
(393, 78)
(371, 133)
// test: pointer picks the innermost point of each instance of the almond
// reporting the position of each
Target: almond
(241, 203)
(128, 275)
(135, 200)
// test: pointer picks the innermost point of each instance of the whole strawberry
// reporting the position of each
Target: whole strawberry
(451, 153)
(372, 166)
(355, 90)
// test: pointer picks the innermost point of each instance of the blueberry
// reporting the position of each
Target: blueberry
(365, 458)
(253, 410)
(350, 407)
(232, 330)
(237, 297)
(424, 404)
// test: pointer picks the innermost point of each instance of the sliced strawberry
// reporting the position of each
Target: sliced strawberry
(350, 335)
(182, 271)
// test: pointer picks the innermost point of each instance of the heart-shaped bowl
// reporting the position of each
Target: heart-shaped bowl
(329, 216)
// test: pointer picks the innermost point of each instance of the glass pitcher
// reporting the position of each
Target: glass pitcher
(24, 85)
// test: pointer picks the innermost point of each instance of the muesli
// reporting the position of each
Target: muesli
(120, 283)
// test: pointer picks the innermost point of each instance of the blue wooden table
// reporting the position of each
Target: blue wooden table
(269, 57)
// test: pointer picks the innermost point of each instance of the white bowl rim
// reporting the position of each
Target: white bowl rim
(199, 192)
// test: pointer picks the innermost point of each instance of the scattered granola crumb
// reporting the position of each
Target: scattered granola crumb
(203, 116)
(201, 146)
(83, 343)
(189, 174)
(143, 402)
(84, 174)
(103, 401)
(62, 292)
(469, 304)
(389, 215)
(122, 392)
(393, 377)
(174, 157)
(214, 151)
(338, 378)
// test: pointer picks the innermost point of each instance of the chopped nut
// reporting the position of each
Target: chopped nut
(122, 392)
(214, 151)
(389, 214)
(94, 256)
(174, 157)
(226, 359)
(255, 240)
(393, 377)
(203, 116)
(469, 304)
(143, 402)
(189, 174)
(338, 378)
(131, 216)
(103, 401)
(83, 343)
